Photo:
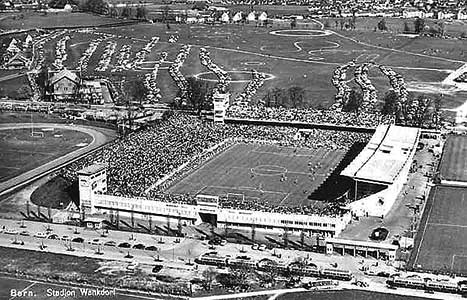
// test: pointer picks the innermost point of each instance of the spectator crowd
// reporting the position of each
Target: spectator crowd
(137, 163)
(310, 115)
(177, 76)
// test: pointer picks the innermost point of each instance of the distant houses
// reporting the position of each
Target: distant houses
(17, 55)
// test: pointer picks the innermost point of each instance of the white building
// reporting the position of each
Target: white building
(225, 18)
(381, 169)
(93, 185)
(221, 104)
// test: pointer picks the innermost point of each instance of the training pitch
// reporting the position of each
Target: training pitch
(440, 242)
(21, 150)
(279, 176)
(453, 166)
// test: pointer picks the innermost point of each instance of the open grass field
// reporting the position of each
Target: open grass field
(304, 58)
(20, 152)
(440, 242)
(453, 166)
(345, 295)
(31, 20)
(258, 172)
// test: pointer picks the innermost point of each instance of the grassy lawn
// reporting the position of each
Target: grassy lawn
(440, 242)
(11, 88)
(31, 20)
(307, 62)
(244, 167)
(57, 193)
(20, 152)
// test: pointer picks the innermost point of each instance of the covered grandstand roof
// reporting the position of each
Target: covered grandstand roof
(385, 154)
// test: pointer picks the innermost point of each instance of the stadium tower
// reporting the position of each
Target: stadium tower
(220, 95)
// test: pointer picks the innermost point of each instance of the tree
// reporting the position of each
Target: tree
(198, 96)
(407, 27)
(42, 80)
(296, 96)
(126, 12)
(382, 25)
(165, 13)
(137, 91)
(354, 102)
(390, 103)
(141, 12)
(419, 25)
(113, 12)
(327, 23)
(208, 278)
(96, 6)
(285, 237)
(293, 23)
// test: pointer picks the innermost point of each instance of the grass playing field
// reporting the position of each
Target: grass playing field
(440, 242)
(20, 152)
(453, 166)
(345, 295)
(266, 173)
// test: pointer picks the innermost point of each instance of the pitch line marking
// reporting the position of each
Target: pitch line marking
(426, 225)
(245, 188)
(453, 259)
(281, 154)
(449, 225)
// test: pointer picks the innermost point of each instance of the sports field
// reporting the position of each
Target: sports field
(266, 173)
(453, 166)
(20, 152)
(440, 242)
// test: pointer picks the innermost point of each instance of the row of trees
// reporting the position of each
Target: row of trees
(293, 97)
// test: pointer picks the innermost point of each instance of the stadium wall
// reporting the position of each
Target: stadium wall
(190, 214)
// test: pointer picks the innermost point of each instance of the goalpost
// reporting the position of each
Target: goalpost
(236, 196)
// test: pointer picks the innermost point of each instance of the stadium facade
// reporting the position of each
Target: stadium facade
(379, 172)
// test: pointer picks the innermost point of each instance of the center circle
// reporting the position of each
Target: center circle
(300, 32)
(268, 170)
(237, 76)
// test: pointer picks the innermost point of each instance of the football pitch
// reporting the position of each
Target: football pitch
(20, 151)
(440, 242)
(267, 173)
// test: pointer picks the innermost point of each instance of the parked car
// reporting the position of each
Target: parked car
(24, 233)
(95, 242)
(66, 238)
(262, 247)
(255, 246)
(53, 237)
(110, 243)
(11, 231)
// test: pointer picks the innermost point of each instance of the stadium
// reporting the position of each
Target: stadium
(270, 178)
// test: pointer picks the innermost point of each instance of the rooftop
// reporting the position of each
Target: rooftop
(92, 169)
(385, 154)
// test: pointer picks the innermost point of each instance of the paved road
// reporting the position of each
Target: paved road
(100, 137)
